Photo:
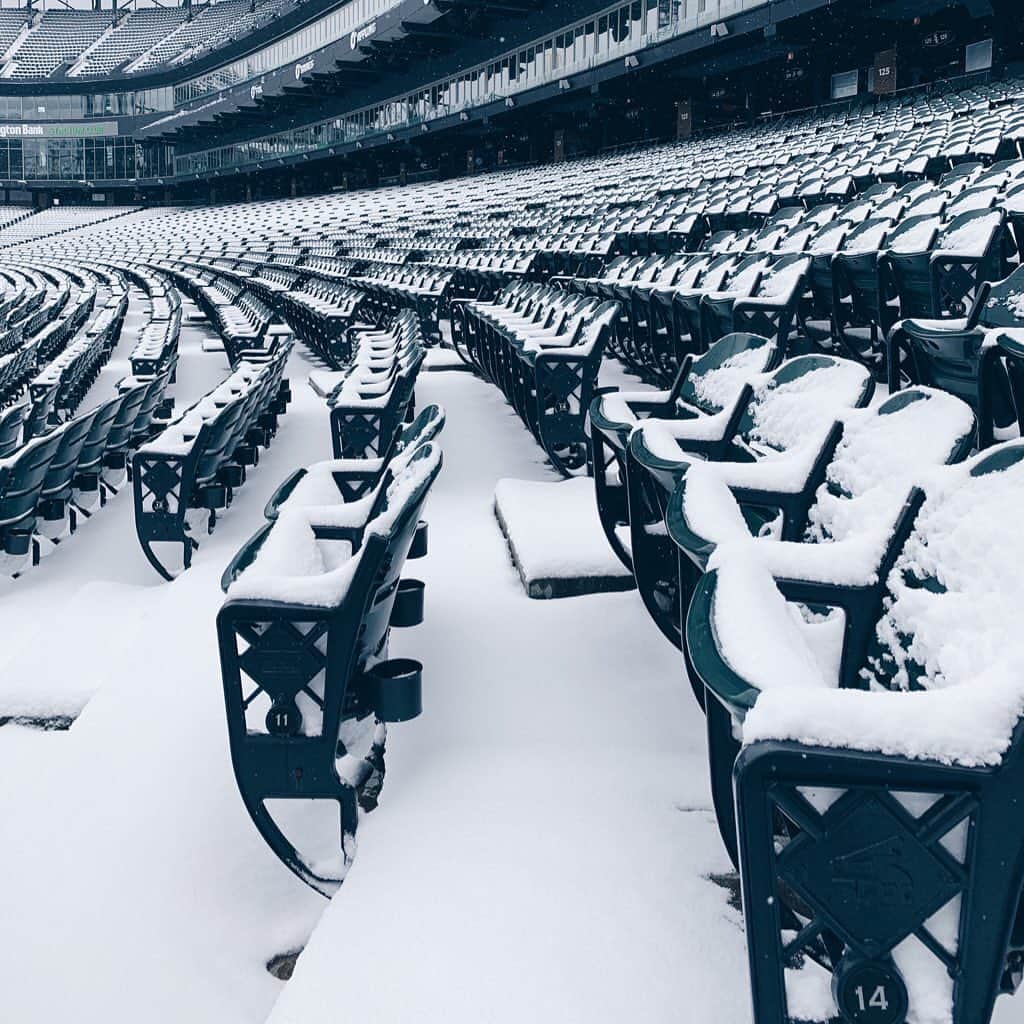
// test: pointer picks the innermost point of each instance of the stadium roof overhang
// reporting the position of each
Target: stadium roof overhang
(700, 52)
(320, 72)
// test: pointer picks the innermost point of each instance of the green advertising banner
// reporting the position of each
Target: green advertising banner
(58, 130)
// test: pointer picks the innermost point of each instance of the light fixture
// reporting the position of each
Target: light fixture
(509, 102)
(564, 84)
(632, 61)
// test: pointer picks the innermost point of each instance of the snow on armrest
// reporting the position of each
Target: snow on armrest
(968, 726)
(662, 436)
(780, 472)
(758, 633)
(709, 507)
(851, 562)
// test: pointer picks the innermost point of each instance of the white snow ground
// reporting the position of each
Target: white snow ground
(544, 838)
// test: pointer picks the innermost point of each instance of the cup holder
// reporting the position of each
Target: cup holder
(408, 607)
(232, 475)
(17, 542)
(52, 510)
(247, 455)
(418, 548)
(214, 496)
(397, 688)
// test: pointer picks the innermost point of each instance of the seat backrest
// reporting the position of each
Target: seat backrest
(12, 419)
(22, 475)
(1004, 306)
(121, 430)
(37, 420)
(429, 422)
(64, 463)
(99, 431)
(914, 234)
(971, 234)
(869, 236)
(784, 276)
(801, 401)
(883, 453)
(744, 277)
(718, 375)
(395, 517)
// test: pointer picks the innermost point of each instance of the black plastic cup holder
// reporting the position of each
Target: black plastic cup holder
(17, 542)
(232, 475)
(397, 688)
(418, 548)
(247, 455)
(214, 496)
(52, 510)
(408, 607)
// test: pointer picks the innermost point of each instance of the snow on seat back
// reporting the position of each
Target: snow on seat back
(718, 376)
(869, 236)
(884, 452)
(714, 382)
(970, 234)
(914, 234)
(801, 401)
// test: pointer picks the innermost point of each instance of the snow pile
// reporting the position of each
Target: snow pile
(881, 457)
(296, 567)
(317, 485)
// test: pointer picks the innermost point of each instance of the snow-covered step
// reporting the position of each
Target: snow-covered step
(555, 538)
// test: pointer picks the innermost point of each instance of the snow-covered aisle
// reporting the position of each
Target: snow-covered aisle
(543, 837)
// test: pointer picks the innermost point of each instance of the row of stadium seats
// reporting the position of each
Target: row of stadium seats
(806, 550)
(87, 44)
(323, 580)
